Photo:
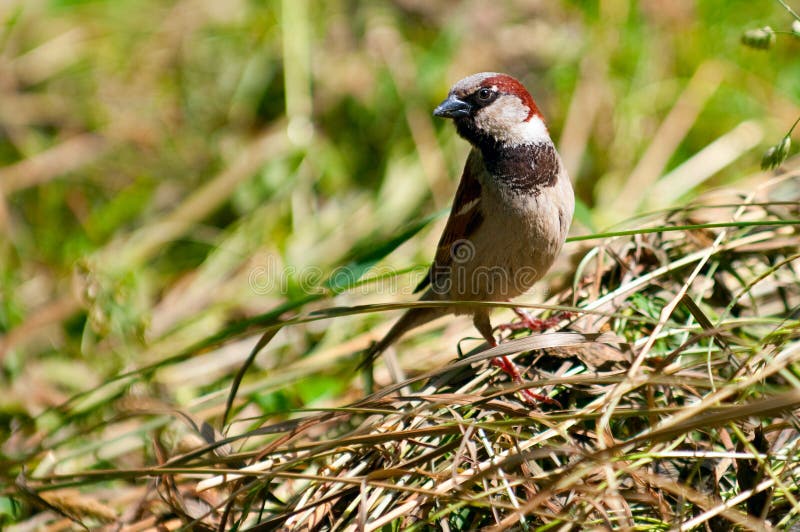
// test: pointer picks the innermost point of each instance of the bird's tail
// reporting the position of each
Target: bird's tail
(412, 319)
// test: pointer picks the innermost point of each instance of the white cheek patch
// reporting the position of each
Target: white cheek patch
(505, 120)
(500, 115)
(532, 132)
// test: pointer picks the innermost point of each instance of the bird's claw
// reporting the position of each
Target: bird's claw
(510, 369)
(538, 399)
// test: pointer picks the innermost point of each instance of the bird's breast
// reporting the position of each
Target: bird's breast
(516, 244)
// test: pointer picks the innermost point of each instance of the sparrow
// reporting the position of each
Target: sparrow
(511, 213)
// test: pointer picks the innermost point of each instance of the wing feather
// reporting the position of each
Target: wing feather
(465, 218)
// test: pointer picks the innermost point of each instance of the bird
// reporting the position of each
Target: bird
(510, 216)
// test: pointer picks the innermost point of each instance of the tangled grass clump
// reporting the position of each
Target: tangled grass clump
(678, 376)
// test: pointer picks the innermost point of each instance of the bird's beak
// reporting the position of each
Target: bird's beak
(452, 107)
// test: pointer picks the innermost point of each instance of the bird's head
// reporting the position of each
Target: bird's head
(491, 109)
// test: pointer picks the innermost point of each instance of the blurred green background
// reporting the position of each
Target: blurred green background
(168, 168)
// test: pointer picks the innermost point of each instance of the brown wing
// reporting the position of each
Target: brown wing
(465, 218)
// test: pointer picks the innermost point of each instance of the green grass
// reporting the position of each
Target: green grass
(178, 178)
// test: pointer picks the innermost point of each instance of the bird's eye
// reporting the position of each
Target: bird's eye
(484, 95)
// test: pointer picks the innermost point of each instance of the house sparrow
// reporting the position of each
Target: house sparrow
(511, 212)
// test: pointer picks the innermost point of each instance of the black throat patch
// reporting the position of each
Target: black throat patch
(527, 168)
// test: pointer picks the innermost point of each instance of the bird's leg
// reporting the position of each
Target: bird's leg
(484, 326)
(533, 324)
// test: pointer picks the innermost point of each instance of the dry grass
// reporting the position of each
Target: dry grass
(678, 376)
